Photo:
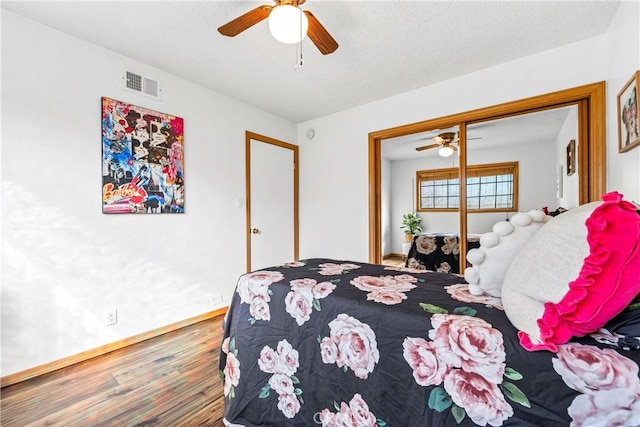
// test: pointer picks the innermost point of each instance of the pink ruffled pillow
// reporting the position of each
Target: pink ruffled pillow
(608, 280)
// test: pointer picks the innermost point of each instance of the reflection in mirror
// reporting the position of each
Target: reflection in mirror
(537, 142)
(588, 181)
(402, 160)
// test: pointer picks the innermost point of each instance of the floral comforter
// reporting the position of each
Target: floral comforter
(438, 252)
(337, 343)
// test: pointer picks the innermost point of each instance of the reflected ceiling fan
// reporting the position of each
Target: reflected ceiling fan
(287, 23)
(445, 141)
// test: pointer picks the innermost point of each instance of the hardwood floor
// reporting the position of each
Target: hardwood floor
(170, 380)
(394, 260)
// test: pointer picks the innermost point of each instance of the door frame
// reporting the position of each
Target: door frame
(591, 101)
(267, 140)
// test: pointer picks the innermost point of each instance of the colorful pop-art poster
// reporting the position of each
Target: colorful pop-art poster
(142, 160)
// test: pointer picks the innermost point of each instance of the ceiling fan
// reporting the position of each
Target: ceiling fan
(446, 142)
(284, 13)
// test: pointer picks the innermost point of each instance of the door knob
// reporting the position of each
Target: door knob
(255, 231)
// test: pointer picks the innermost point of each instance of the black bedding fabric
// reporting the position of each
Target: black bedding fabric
(438, 252)
(340, 343)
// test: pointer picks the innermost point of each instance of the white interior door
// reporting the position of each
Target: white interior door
(271, 202)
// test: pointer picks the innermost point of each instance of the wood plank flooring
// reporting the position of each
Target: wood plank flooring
(394, 260)
(170, 380)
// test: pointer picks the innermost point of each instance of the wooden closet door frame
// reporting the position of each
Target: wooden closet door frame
(591, 102)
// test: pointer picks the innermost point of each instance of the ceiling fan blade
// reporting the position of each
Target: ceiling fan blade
(426, 147)
(249, 19)
(320, 36)
(457, 141)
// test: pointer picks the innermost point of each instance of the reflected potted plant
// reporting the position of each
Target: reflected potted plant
(410, 225)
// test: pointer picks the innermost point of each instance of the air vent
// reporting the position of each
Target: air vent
(143, 85)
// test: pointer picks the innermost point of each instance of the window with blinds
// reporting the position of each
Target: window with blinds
(490, 188)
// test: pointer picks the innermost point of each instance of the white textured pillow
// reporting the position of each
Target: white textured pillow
(577, 273)
(497, 249)
(544, 267)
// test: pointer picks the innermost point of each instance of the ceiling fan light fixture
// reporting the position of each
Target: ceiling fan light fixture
(288, 24)
(445, 151)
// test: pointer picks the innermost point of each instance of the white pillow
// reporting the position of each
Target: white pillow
(575, 274)
(551, 259)
(497, 249)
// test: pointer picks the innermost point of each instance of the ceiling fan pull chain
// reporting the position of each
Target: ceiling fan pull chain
(299, 60)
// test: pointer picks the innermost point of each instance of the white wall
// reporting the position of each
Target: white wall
(385, 207)
(536, 187)
(570, 184)
(343, 213)
(623, 59)
(399, 197)
(65, 263)
(346, 213)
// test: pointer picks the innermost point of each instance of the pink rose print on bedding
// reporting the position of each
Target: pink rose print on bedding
(444, 267)
(259, 308)
(231, 372)
(426, 244)
(269, 361)
(351, 345)
(408, 270)
(355, 414)
(388, 297)
(400, 283)
(473, 344)
(461, 293)
(609, 383)
(481, 399)
(428, 368)
(608, 408)
(299, 305)
(293, 264)
(330, 269)
(387, 290)
(281, 384)
(450, 246)
(589, 369)
(253, 289)
(282, 363)
(413, 264)
(465, 359)
(289, 404)
(305, 296)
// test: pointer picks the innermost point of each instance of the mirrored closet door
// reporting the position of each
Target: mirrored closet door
(545, 151)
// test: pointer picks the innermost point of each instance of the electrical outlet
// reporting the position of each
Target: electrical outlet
(112, 317)
(215, 299)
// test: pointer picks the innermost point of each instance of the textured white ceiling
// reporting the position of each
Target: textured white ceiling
(538, 127)
(386, 47)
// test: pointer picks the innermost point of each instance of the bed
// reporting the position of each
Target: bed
(438, 251)
(341, 343)
(322, 340)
